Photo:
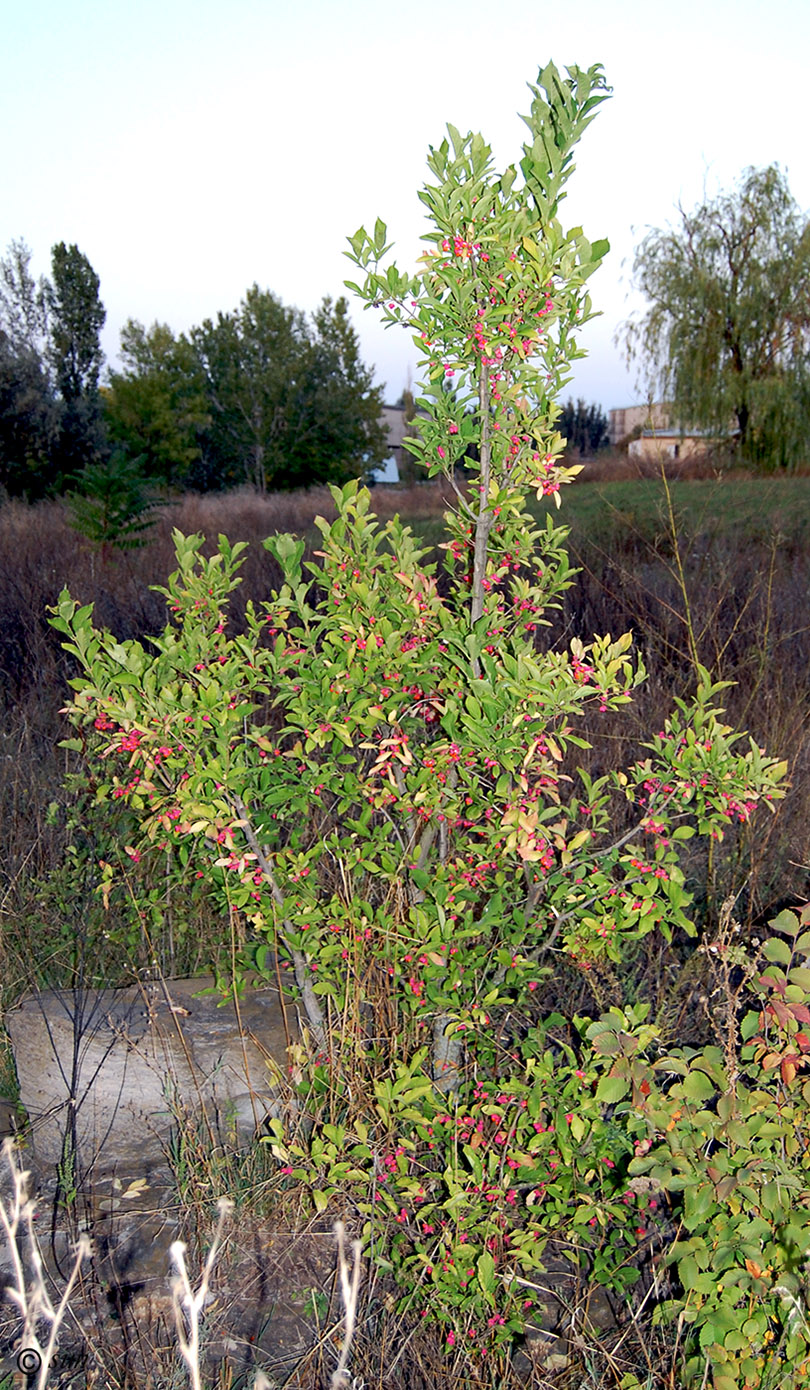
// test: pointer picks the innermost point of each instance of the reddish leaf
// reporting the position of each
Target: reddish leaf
(782, 1013)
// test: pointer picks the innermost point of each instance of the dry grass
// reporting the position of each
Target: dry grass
(746, 556)
(747, 577)
(745, 553)
(233, 1326)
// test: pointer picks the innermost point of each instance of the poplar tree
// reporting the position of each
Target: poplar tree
(76, 318)
(28, 406)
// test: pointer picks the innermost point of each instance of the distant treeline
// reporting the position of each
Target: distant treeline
(585, 427)
(265, 394)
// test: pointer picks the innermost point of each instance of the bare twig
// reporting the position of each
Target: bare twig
(187, 1304)
(31, 1296)
(349, 1288)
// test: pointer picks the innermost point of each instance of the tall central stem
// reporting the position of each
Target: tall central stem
(485, 518)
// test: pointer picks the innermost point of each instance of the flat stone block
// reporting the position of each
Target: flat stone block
(130, 1060)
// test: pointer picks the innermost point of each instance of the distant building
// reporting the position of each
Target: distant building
(393, 418)
(624, 420)
(671, 444)
(654, 435)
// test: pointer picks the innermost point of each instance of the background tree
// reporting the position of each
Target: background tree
(290, 402)
(726, 336)
(113, 506)
(155, 409)
(250, 361)
(28, 407)
(585, 427)
(28, 415)
(346, 406)
(22, 302)
(76, 318)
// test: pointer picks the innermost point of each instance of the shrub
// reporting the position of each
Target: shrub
(373, 778)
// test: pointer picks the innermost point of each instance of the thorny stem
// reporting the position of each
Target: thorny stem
(625, 838)
(399, 778)
(447, 1047)
(463, 504)
(428, 835)
(535, 887)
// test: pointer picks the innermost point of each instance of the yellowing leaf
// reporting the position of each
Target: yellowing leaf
(135, 1188)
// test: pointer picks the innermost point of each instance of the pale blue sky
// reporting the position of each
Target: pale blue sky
(191, 147)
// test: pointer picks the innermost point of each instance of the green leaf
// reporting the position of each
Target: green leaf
(612, 1089)
(380, 233)
(787, 922)
(749, 1026)
(486, 1272)
(778, 951)
(699, 1203)
(698, 1086)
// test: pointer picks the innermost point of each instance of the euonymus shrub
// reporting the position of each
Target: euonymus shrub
(373, 772)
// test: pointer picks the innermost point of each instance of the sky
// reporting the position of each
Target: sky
(193, 147)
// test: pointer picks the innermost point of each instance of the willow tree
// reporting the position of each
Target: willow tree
(726, 336)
